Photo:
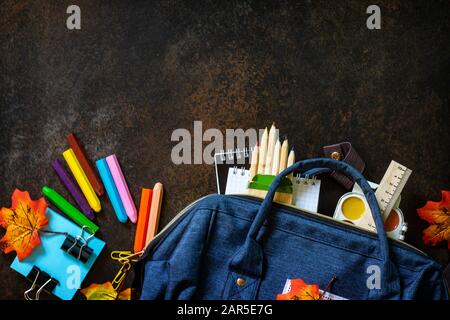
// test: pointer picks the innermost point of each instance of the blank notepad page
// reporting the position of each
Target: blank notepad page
(306, 194)
(237, 181)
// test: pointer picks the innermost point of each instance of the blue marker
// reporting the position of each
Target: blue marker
(111, 190)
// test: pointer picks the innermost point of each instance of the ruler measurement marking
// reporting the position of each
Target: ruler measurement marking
(391, 186)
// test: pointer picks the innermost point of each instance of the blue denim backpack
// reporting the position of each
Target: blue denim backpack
(237, 247)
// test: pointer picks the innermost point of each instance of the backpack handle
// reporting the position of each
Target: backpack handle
(320, 164)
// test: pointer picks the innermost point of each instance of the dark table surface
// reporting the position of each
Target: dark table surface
(138, 70)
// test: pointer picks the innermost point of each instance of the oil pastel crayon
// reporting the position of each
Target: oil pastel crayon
(143, 219)
(71, 186)
(67, 208)
(122, 187)
(88, 169)
(82, 180)
(111, 190)
(155, 210)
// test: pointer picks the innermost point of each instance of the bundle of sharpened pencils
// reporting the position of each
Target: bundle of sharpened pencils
(270, 157)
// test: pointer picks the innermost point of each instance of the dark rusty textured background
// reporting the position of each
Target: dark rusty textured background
(138, 70)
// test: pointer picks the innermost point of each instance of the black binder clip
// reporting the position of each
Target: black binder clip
(77, 247)
(40, 280)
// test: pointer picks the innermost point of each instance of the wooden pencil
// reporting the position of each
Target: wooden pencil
(284, 155)
(273, 136)
(262, 152)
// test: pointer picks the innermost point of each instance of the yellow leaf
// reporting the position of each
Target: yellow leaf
(125, 294)
(105, 291)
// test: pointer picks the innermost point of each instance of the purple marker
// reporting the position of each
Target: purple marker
(68, 182)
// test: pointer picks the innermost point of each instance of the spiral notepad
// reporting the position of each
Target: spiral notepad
(237, 181)
(233, 175)
(306, 193)
(231, 159)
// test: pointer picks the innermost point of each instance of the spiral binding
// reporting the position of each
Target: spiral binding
(229, 153)
(246, 152)
(240, 170)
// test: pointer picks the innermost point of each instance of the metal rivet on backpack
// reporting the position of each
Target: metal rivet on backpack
(336, 155)
(240, 282)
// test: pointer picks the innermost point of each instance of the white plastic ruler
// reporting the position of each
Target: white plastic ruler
(388, 192)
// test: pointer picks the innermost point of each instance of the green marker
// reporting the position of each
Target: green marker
(66, 207)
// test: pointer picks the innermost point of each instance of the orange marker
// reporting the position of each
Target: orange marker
(153, 221)
(143, 217)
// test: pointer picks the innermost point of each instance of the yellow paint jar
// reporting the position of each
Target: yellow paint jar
(353, 208)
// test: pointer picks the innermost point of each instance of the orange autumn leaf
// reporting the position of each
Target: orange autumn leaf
(301, 291)
(105, 291)
(125, 294)
(438, 215)
(22, 223)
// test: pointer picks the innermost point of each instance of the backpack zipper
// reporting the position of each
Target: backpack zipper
(253, 199)
(320, 216)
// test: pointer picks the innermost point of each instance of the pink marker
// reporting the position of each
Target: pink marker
(122, 187)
